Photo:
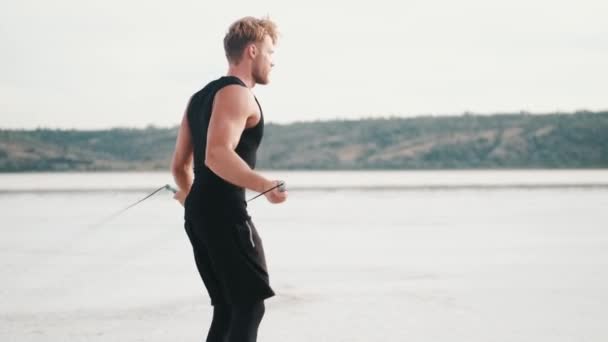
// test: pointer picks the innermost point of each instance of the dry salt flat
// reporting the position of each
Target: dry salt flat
(353, 256)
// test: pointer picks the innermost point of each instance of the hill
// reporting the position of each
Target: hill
(575, 140)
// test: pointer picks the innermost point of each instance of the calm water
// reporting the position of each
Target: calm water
(359, 256)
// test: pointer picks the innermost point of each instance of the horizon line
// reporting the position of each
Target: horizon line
(345, 119)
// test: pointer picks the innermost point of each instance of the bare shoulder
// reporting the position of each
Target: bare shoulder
(233, 97)
(235, 102)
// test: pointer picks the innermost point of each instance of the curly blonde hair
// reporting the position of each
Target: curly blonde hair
(245, 31)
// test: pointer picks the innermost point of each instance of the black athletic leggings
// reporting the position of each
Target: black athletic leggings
(236, 323)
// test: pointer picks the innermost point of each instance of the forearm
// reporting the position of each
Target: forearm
(183, 177)
(228, 165)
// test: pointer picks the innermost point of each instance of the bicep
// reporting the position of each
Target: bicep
(228, 118)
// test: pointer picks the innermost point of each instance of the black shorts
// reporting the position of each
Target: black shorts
(230, 259)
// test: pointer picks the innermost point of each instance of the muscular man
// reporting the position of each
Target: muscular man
(218, 139)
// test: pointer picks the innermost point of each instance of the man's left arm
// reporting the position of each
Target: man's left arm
(181, 164)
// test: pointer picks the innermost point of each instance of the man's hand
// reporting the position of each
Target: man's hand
(275, 196)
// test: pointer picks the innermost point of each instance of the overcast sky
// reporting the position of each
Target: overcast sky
(100, 64)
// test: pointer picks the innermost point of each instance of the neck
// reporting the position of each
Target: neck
(243, 74)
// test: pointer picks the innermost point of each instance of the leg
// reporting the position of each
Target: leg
(204, 263)
(245, 321)
(218, 332)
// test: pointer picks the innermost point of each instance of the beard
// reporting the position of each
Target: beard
(259, 76)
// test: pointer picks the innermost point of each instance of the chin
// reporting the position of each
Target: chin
(263, 81)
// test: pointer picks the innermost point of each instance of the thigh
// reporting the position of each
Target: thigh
(250, 243)
(204, 263)
(237, 256)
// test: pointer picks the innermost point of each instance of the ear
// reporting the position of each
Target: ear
(252, 50)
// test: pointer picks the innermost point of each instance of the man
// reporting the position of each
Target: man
(218, 139)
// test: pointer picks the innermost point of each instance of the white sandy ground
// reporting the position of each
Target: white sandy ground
(457, 265)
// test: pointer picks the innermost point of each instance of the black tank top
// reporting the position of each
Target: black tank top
(212, 197)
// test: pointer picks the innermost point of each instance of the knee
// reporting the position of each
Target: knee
(253, 312)
(222, 313)
(258, 309)
(245, 322)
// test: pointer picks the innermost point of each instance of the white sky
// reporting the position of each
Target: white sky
(100, 64)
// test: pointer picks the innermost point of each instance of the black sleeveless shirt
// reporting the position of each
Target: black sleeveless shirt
(212, 197)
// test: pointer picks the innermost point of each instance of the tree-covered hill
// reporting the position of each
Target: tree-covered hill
(577, 140)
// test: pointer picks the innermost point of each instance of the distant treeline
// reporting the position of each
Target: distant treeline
(574, 140)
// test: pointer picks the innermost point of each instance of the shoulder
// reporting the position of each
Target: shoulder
(234, 96)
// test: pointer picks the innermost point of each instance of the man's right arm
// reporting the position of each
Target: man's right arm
(231, 108)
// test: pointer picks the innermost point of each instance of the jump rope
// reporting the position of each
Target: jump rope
(280, 186)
